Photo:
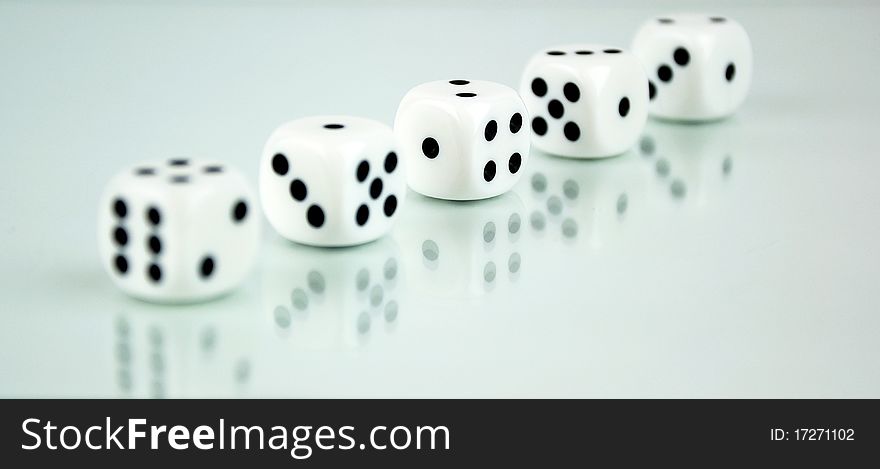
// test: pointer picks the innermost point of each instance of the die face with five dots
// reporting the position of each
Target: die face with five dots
(462, 139)
(178, 231)
(331, 180)
(586, 100)
(699, 66)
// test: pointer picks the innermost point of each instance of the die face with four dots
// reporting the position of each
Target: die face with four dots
(462, 139)
(178, 231)
(699, 66)
(331, 180)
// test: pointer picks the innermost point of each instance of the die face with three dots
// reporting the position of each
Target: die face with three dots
(178, 231)
(462, 139)
(586, 100)
(331, 180)
(699, 66)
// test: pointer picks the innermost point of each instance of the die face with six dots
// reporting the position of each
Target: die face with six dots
(331, 180)
(178, 231)
(699, 66)
(585, 100)
(462, 139)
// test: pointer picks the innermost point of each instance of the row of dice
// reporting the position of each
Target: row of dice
(184, 230)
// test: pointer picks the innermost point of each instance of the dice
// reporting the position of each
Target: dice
(462, 139)
(331, 180)
(586, 100)
(178, 231)
(457, 251)
(700, 66)
(321, 299)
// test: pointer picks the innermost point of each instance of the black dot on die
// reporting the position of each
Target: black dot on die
(145, 171)
(315, 216)
(665, 20)
(298, 190)
(178, 162)
(571, 92)
(206, 268)
(154, 244)
(120, 236)
(611, 51)
(555, 108)
(572, 131)
(539, 87)
(491, 130)
(121, 264)
(390, 205)
(180, 179)
(516, 122)
(584, 52)
(155, 273)
(213, 169)
(280, 164)
(363, 170)
(119, 208)
(459, 82)
(652, 90)
(333, 126)
(664, 73)
(539, 125)
(239, 211)
(489, 171)
(717, 19)
(681, 56)
(623, 106)
(555, 52)
(376, 188)
(514, 163)
(730, 72)
(430, 148)
(153, 216)
(390, 162)
(466, 95)
(362, 215)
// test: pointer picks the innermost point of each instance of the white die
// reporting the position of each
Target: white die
(327, 299)
(699, 66)
(331, 180)
(586, 100)
(178, 231)
(462, 139)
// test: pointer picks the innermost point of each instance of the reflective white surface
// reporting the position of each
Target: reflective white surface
(733, 259)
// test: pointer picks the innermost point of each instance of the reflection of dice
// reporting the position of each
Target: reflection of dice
(699, 66)
(462, 250)
(689, 162)
(585, 100)
(571, 200)
(322, 298)
(178, 231)
(198, 351)
(331, 181)
(462, 139)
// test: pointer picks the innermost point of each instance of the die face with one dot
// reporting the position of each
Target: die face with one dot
(178, 231)
(331, 180)
(699, 66)
(462, 139)
(586, 100)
